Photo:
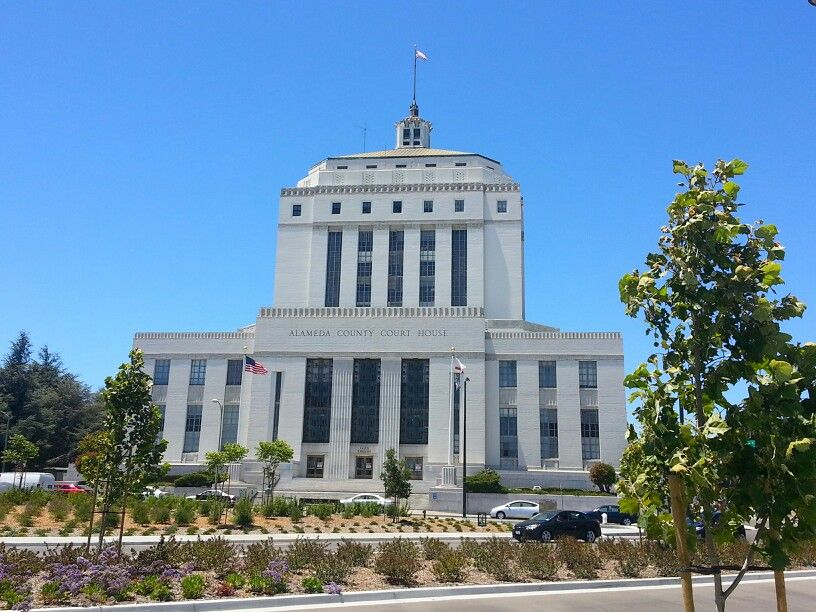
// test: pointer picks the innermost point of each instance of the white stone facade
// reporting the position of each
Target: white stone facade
(385, 262)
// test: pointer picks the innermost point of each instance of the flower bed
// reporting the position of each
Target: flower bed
(215, 568)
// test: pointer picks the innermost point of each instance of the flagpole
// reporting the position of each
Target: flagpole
(415, 59)
(450, 413)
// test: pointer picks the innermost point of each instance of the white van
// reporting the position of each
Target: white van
(30, 480)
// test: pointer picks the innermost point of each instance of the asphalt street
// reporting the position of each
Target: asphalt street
(757, 596)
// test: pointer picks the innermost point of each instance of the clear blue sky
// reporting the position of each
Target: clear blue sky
(143, 145)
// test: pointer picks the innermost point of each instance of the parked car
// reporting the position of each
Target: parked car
(213, 494)
(28, 480)
(68, 487)
(150, 491)
(699, 527)
(515, 509)
(613, 515)
(367, 498)
(547, 526)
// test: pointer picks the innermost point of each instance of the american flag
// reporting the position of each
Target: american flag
(254, 367)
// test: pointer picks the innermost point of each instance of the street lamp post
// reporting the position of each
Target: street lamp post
(5, 436)
(464, 448)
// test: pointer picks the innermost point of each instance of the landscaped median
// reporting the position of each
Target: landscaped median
(215, 568)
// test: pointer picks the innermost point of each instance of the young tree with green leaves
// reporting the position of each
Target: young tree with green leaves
(271, 454)
(130, 455)
(708, 297)
(397, 479)
(20, 452)
(602, 476)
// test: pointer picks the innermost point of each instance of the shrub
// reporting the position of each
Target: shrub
(497, 557)
(629, 557)
(140, 512)
(662, 557)
(185, 512)
(537, 561)
(332, 568)
(354, 553)
(450, 566)
(234, 580)
(305, 554)
(367, 509)
(432, 548)
(398, 561)
(243, 512)
(59, 507)
(602, 476)
(214, 554)
(485, 481)
(162, 592)
(273, 579)
(322, 511)
(311, 584)
(197, 479)
(258, 555)
(160, 511)
(215, 509)
(295, 513)
(192, 586)
(25, 518)
(581, 559)
(51, 593)
(278, 506)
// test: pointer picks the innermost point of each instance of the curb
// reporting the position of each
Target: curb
(384, 596)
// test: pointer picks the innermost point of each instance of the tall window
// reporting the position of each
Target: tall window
(235, 371)
(162, 409)
(295, 210)
(458, 206)
(546, 375)
(365, 246)
(459, 267)
(396, 206)
(276, 410)
(501, 206)
(317, 400)
(427, 267)
(590, 434)
(427, 206)
(396, 245)
(335, 208)
(161, 372)
(548, 422)
(588, 374)
(229, 426)
(508, 415)
(192, 428)
(198, 371)
(365, 402)
(414, 401)
(507, 374)
(314, 466)
(366, 208)
(333, 251)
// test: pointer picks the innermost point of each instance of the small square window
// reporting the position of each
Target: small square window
(295, 210)
(335, 208)
(501, 206)
(427, 206)
(396, 206)
(458, 206)
(430, 165)
(342, 167)
(371, 166)
(460, 164)
(366, 208)
(402, 165)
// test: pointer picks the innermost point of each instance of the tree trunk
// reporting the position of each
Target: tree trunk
(781, 595)
(678, 507)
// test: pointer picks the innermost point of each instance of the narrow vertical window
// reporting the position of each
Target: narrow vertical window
(414, 401)
(276, 413)
(548, 423)
(501, 206)
(192, 428)
(590, 434)
(198, 371)
(317, 400)
(427, 206)
(365, 402)
(396, 245)
(458, 206)
(162, 409)
(229, 425)
(588, 374)
(235, 371)
(508, 415)
(365, 246)
(459, 267)
(427, 267)
(366, 208)
(546, 375)
(396, 207)
(335, 208)
(333, 252)
(161, 372)
(295, 210)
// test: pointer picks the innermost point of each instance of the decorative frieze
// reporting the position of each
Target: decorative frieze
(366, 313)
(194, 335)
(527, 335)
(398, 188)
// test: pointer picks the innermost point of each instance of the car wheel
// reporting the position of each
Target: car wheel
(627, 521)
(589, 538)
(500, 515)
(546, 536)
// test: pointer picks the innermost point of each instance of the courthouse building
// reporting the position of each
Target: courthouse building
(387, 262)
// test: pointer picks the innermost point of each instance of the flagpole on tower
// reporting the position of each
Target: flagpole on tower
(415, 59)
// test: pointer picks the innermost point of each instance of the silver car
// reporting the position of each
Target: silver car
(521, 508)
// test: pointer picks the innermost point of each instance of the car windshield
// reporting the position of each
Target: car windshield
(544, 516)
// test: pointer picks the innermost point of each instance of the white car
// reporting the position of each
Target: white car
(153, 492)
(366, 498)
(515, 509)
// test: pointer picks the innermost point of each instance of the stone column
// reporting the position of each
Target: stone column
(529, 440)
(569, 415)
(379, 267)
(390, 387)
(317, 269)
(348, 268)
(337, 464)
(410, 267)
(443, 266)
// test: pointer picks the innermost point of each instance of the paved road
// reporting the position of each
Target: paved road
(757, 596)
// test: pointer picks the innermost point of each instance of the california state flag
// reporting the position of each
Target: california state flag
(458, 366)
(421, 55)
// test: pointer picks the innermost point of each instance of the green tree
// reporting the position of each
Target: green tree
(131, 453)
(20, 452)
(272, 454)
(708, 299)
(396, 478)
(602, 476)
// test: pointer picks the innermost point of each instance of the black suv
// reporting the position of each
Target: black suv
(546, 526)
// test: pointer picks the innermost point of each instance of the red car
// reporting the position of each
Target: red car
(67, 487)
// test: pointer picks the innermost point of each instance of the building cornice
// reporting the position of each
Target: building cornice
(527, 335)
(194, 335)
(346, 189)
(461, 312)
